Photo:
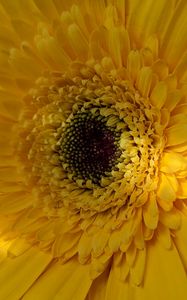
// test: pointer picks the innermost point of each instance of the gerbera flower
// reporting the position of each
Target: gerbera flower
(93, 156)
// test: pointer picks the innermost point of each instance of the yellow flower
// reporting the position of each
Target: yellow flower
(93, 156)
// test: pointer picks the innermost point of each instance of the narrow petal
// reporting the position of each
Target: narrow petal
(119, 45)
(180, 240)
(9, 173)
(182, 192)
(47, 8)
(133, 64)
(170, 219)
(159, 94)
(64, 243)
(161, 69)
(99, 242)
(19, 273)
(173, 162)
(174, 43)
(23, 64)
(131, 255)
(177, 119)
(138, 269)
(78, 41)
(149, 18)
(176, 134)
(14, 202)
(98, 287)
(160, 264)
(10, 105)
(62, 282)
(150, 212)
(173, 99)
(144, 81)
(116, 289)
(165, 190)
(163, 235)
(180, 69)
(85, 247)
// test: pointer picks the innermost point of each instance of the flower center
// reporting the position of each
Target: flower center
(85, 140)
(89, 147)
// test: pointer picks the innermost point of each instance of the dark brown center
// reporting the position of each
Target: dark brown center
(89, 147)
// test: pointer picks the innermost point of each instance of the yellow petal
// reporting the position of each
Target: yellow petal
(180, 69)
(170, 219)
(147, 232)
(123, 235)
(179, 109)
(10, 105)
(68, 281)
(147, 57)
(77, 14)
(14, 202)
(180, 148)
(139, 238)
(144, 81)
(13, 279)
(161, 69)
(165, 205)
(10, 174)
(176, 134)
(121, 267)
(110, 16)
(138, 269)
(18, 247)
(150, 212)
(47, 8)
(10, 187)
(177, 119)
(51, 52)
(119, 45)
(180, 239)
(182, 192)
(161, 281)
(23, 64)
(99, 242)
(26, 10)
(163, 236)
(152, 43)
(100, 264)
(98, 288)
(159, 94)
(149, 18)
(7, 37)
(23, 29)
(116, 289)
(115, 240)
(173, 99)
(174, 40)
(64, 242)
(166, 191)
(78, 41)
(84, 247)
(133, 64)
(131, 255)
(98, 43)
(171, 82)
(173, 162)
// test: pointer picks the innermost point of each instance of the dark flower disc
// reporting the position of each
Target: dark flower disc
(89, 147)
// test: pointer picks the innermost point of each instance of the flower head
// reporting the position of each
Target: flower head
(93, 168)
